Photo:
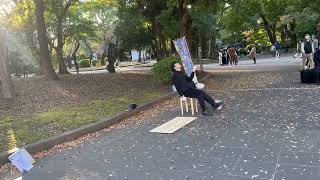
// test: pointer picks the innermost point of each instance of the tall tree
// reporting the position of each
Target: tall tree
(185, 20)
(268, 13)
(5, 76)
(45, 61)
(60, 8)
(104, 12)
(133, 27)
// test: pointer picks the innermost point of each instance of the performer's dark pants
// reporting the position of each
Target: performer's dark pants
(201, 96)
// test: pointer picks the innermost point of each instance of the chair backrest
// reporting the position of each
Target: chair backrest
(174, 89)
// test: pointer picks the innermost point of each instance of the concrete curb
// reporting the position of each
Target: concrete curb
(74, 134)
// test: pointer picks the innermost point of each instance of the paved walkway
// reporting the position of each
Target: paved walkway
(263, 63)
(268, 129)
(125, 66)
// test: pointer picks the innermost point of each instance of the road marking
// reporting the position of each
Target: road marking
(173, 125)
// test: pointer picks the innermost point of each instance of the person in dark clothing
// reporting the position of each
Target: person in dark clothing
(186, 87)
(316, 59)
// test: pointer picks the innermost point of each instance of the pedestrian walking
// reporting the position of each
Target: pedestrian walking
(273, 51)
(253, 55)
(298, 54)
(277, 48)
(233, 56)
(220, 58)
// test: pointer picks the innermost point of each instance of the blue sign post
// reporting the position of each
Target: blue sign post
(184, 53)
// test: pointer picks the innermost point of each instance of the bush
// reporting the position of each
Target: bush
(162, 71)
(20, 66)
(96, 62)
(83, 56)
(103, 63)
(242, 51)
(84, 63)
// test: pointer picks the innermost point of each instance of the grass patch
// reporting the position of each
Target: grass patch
(16, 132)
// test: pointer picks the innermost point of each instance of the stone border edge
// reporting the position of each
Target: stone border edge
(49, 143)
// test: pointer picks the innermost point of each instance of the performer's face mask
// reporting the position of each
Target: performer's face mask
(178, 67)
(307, 38)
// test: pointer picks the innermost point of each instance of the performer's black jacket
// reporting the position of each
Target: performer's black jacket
(182, 82)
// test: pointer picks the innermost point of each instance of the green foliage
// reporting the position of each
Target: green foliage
(138, 24)
(133, 28)
(162, 71)
(171, 23)
(307, 22)
(83, 56)
(18, 65)
(242, 51)
(15, 63)
(84, 63)
(98, 61)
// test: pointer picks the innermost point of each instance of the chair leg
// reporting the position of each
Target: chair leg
(181, 106)
(192, 110)
(196, 103)
(187, 107)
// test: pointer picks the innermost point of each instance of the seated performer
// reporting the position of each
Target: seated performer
(186, 88)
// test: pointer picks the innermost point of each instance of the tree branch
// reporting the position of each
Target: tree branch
(68, 5)
(5, 11)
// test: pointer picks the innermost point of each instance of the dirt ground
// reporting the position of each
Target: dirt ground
(36, 94)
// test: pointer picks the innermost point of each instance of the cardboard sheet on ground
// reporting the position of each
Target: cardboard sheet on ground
(22, 160)
(173, 125)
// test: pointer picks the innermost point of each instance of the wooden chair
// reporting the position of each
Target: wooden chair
(193, 102)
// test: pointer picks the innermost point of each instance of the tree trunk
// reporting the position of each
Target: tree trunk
(76, 49)
(59, 49)
(270, 30)
(46, 63)
(163, 46)
(154, 50)
(209, 48)
(69, 61)
(139, 56)
(284, 35)
(173, 49)
(159, 40)
(187, 29)
(200, 50)
(293, 28)
(5, 76)
(105, 48)
(214, 53)
(73, 54)
(186, 22)
(292, 33)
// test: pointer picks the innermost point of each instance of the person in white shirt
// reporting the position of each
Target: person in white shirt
(298, 50)
(253, 55)
(273, 51)
(220, 58)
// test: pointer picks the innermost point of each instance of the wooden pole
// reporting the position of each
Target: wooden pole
(7, 87)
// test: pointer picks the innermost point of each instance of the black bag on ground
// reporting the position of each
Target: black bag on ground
(308, 76)
(316, 73)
